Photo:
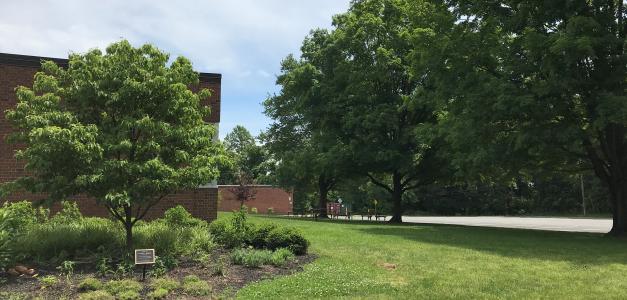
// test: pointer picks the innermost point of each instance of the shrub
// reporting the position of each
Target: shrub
(68, 214)
(44, 241)
(157, 235)
(227, 235)
(285, 237)
(117, 287)
(179, 217)
(270, 210)
(89, 284)
(165, 284)
(237, 232)
(6, 252)
(96, 295)
(281, 256)
(158, 294)
(193, 286)
(260, 234)
(17, 216)
(15, 219)
(254, 210)
(251, 258)
(197, 241)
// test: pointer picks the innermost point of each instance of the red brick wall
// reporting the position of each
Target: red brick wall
(265, 197)
(16, 70)
(201, 203)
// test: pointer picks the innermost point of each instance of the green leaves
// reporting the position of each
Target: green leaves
(121, 126)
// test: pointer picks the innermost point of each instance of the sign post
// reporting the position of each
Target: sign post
(144, 257)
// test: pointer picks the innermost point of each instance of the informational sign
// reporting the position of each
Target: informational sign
(144, 256)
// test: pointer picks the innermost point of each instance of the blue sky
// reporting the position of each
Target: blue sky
(244, 40)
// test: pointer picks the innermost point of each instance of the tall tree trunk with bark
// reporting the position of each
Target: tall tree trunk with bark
(619, 209)
(397, 198)
(324, 186)
(610, 165)
(128, 227)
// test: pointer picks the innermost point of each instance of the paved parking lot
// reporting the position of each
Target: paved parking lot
(555, 224)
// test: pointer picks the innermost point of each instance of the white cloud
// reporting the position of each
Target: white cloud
(217, 35)
(242, 39)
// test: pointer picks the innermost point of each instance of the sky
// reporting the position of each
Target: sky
(244, 40)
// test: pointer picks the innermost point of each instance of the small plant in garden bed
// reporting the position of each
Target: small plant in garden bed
(89, 284)
(220, 267)
(96, 295)
(119, 287)
(48, 281)
(67, 269)
(194, 286)
(281, 256)
(165, 283)
(254, 258)
(158, 294)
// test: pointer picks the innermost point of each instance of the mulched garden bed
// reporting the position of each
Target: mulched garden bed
(226, 286)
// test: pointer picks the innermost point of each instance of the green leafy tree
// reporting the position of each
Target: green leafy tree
(539, 85)
(251, 160)
(387, 122)
(301, 138)
(353, 104)
(122, 127)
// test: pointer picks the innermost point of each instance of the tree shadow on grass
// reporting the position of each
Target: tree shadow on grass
(355, 221)
(577, 248)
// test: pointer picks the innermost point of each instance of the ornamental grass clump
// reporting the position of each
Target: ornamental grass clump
(194, 286)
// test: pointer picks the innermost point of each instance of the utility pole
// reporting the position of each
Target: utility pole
(583, 195)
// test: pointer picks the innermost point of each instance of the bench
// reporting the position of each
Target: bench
(369, 214)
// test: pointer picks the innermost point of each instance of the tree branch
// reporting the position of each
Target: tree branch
(411, 187)
(114, 213)
(148, 207)
(380, 184)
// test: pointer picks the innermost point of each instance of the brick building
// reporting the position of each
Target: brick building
(266, 196)
(16, 70)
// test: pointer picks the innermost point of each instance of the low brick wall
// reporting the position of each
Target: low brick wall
(266, 196)
(201, 203)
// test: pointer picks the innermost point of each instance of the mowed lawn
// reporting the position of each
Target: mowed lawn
(440, 262)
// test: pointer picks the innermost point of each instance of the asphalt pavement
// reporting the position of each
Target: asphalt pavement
(539, 223)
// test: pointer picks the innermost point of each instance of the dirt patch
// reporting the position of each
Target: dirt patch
(226, 286)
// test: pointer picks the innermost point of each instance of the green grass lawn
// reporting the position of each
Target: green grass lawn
(439, 261)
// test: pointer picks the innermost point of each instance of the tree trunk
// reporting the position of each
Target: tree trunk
(610, 168)
(618, 197)
(323, 191)
(128, 226)
(397, 198)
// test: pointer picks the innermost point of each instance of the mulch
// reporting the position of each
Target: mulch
(226, 286)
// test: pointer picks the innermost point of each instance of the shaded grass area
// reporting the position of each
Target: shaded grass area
(446, 262)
